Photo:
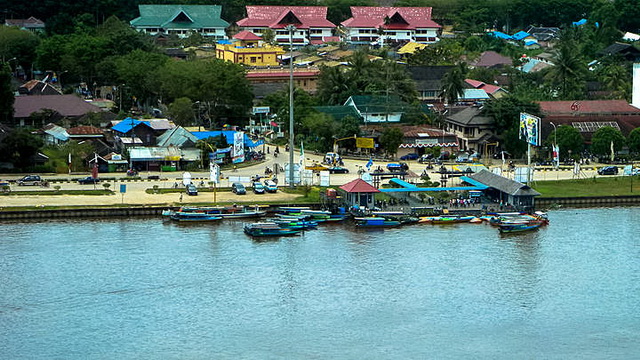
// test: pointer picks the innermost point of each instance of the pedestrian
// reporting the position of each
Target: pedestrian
(181, 198)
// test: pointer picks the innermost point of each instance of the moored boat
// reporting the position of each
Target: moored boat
(268, 229)
(441, 220)
(297, 224)
(193, 217)
(512, 228)
(376, 222)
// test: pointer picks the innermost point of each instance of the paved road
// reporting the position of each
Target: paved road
(136, 189)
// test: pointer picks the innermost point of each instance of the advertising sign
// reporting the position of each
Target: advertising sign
(529, 129)
(260, 110)
(364, 143)
(238, 147)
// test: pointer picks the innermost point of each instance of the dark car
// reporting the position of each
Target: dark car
(33, 180)
(88, 180)
(338, 170)
(258, 188)
(499, 154)
(238, 189)
(412, 156)
(608, 170)
(192, 190)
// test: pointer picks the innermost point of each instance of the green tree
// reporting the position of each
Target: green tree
(444, 52)
(602, 139)
(320, 130)
(506, 115)
(390, 139)
(303, 104)
(138, 71)
(19, 46)
(634, 141)
(333, 85)
(615, 78)
(453, 84)
(568, 74)
(221, 87)
(6, 94)
(181, 111)
(19, 147)
(268, 36)
(569, 140)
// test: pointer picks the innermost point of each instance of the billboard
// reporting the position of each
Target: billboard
(238, 147)
(364, 143)
(530, 129)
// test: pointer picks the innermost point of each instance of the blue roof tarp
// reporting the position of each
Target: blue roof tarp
(520, 35)
(127, 124)
(580, 22)
(227, 134)
(500, 35)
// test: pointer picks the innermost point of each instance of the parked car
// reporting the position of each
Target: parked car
(258, 188)
(238, 189)
(192, 190)
(331, 158)
(608, 170)
(411, 156)
(32, 180)
(397, 167)
(88, 180)
(338, 170)
(270, 186)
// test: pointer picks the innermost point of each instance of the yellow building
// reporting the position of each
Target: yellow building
(246, 49)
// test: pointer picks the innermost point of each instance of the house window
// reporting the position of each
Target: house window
(315, 31)
(254, 59)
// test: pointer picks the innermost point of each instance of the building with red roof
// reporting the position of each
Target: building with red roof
(359, 193)
(494, 91)
(311, 23)
(395, 23)
(589, 115)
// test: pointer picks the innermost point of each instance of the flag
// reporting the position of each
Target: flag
(556, 155)
(301, 154)
(94, 171)
(69, 163)
(369, 164)
(612, 152)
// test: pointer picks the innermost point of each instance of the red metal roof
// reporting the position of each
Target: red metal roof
(587, 107)
(272, 16)
(359, 186)
(246, 35)
(492, 58)
(85, 130)
(65, 105)
(374, 17)
(488, 88)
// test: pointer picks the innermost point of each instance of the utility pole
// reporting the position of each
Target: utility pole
(291, 29)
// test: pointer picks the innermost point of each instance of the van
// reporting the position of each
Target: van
(33, 180)
(270, 186)
(238, 189)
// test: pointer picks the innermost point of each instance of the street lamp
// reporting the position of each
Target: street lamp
(291, 29)
(555, 144)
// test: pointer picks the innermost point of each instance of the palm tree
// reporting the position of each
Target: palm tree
(569, 71)
(453, 83)
(333, 85)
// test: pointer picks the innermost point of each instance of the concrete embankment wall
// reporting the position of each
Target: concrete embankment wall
(588, 201)
(81, 213)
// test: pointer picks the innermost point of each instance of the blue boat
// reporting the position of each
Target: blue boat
(513, 228)
(268, 229)
(297, 224)
(376, 222)
(193, 217)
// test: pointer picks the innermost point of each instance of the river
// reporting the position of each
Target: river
(144, 289)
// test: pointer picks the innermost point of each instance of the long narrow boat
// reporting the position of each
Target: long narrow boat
(441, 220)
(513, 228)
(193, 217)
(297, 224)
(376, 222)
(268, 229)
(233, 212)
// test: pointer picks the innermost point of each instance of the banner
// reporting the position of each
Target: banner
(556, 155)
(214, 173)
(529, 126)
(364, 143)
(238, 147)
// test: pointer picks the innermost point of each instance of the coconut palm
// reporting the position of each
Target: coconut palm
(453, 83)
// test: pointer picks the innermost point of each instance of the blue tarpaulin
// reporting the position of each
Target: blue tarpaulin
(127, 124)
(229, 135)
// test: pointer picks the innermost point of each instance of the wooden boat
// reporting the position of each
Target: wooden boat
(234, 212)
(451, 219)
(512, 228)
(476, 220)
(193, 217)
(268, 229)
(297, 224)
(376, 222)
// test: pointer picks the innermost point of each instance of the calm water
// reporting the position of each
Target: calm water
(141, 289)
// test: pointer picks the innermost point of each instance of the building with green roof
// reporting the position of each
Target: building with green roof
(339, 112)
(181, 20)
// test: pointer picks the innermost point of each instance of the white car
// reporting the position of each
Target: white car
(270, 186)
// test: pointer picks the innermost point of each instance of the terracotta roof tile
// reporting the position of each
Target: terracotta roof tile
(359, 186)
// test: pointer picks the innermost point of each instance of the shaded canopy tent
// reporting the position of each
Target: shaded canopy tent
(359, 193)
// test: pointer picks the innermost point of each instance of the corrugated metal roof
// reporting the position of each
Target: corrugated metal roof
(503, 184)
(202, 16)
(375, 16)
